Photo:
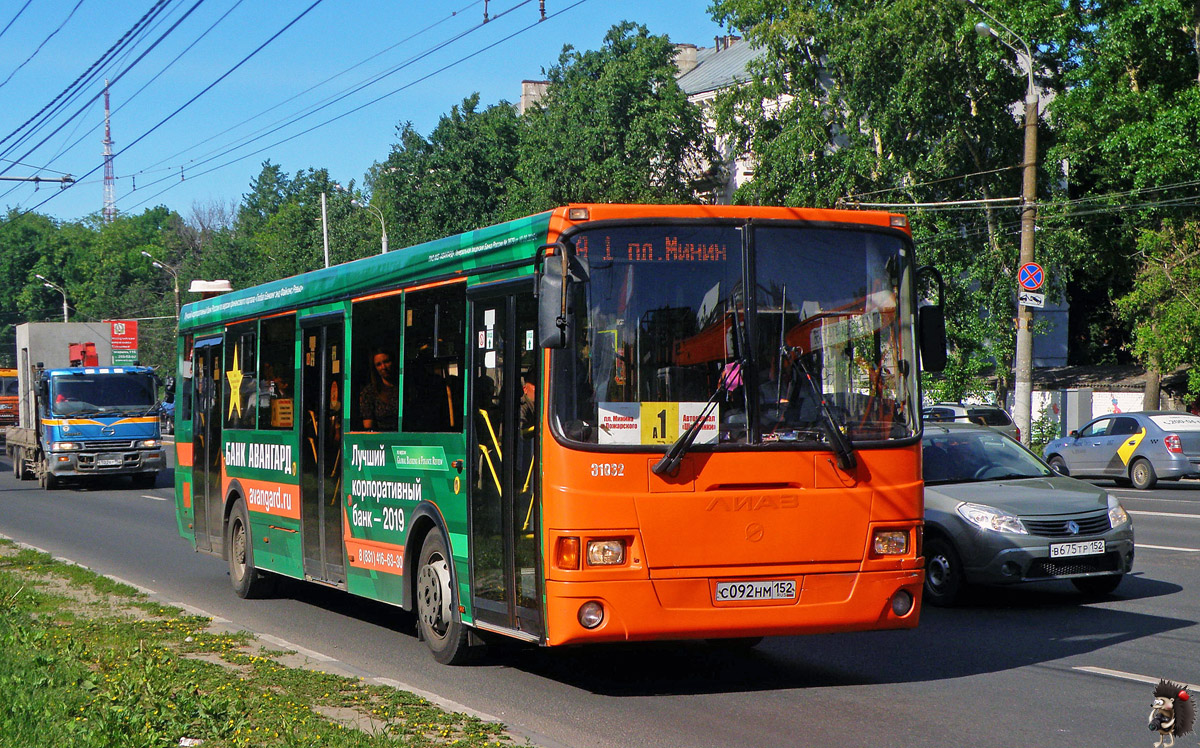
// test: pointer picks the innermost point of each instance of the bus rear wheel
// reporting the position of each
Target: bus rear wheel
(248, 580)
(437, 605)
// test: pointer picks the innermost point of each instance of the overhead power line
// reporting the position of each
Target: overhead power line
(154, 10)
(206, 89)
(43, 43)
(362, 106)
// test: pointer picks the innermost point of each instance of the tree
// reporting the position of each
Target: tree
(899, 103)
(454, 181)
(614, 126)
(1127, 125)
(1163, 306)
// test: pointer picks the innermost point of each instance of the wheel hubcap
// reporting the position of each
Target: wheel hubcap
(938, 572)
(433, 595)
(239, 549)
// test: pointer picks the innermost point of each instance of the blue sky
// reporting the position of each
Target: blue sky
(209, 152)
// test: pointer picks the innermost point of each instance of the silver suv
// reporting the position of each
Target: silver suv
(984, 415)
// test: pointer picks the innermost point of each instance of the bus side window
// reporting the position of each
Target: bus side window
(184, 386)
(277, 358)
(240, 369)
(375, 365)
(434, 344)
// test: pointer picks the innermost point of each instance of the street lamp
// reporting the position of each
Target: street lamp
(174, 277)
(378, 213)
(1023, 361)
(46, 282)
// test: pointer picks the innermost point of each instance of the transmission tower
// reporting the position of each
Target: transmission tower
(110, 192)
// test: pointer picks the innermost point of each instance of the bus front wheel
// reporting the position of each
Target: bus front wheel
(437, 605)
(248, 581)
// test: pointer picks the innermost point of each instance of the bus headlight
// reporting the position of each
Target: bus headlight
(63, 446)
(149, 443)
(890, 542)
(610, 552)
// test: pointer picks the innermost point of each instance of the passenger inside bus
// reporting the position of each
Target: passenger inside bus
(379, 401)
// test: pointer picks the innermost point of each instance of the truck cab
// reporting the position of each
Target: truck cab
(100, 421)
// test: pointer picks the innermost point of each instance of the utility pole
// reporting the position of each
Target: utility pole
(1023, 358)
(325, 229)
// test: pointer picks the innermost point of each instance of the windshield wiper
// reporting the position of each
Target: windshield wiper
(841, 447)
(669, 463)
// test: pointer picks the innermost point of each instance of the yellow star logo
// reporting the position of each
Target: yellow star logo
(235, 386)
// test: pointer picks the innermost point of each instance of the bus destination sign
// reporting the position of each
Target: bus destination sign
(602, 246)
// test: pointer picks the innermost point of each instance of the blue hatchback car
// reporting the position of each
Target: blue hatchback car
(1137, 448)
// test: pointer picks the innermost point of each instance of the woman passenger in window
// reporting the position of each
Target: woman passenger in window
(379, 402)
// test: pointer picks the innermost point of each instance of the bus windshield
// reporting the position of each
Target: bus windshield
(102, 393)
(765, 332)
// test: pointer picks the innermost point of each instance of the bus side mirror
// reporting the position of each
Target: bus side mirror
(554, 318)
(931, 326)
(169, 390)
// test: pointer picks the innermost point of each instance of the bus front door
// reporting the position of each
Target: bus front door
(323, 375)
(502, 454)
(207, 501)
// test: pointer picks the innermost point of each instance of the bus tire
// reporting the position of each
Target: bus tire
(48, 481)
(437, 604)
(248, 581)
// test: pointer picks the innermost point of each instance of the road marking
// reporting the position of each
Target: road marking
(156, 498)
(1162, 514)
(1125, 676)
(1168, 548)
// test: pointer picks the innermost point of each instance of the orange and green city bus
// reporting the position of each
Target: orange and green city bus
(8, 397)
(602, 423)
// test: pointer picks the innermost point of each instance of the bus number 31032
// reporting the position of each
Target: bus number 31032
(608, 469)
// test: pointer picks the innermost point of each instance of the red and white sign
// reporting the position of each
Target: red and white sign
(124, 334)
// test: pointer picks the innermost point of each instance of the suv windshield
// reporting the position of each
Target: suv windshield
(668, 320)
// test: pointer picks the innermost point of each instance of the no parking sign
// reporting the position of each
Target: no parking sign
(1031, 276)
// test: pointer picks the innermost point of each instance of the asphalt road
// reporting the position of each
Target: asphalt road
(1034, 665)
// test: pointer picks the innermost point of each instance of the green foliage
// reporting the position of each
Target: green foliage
(454, 181)
(1043, 430)
(614, 126)
(1163, 307)
(80, 668)
(894, 102)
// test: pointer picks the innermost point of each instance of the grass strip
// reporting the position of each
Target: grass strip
(85, 661)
